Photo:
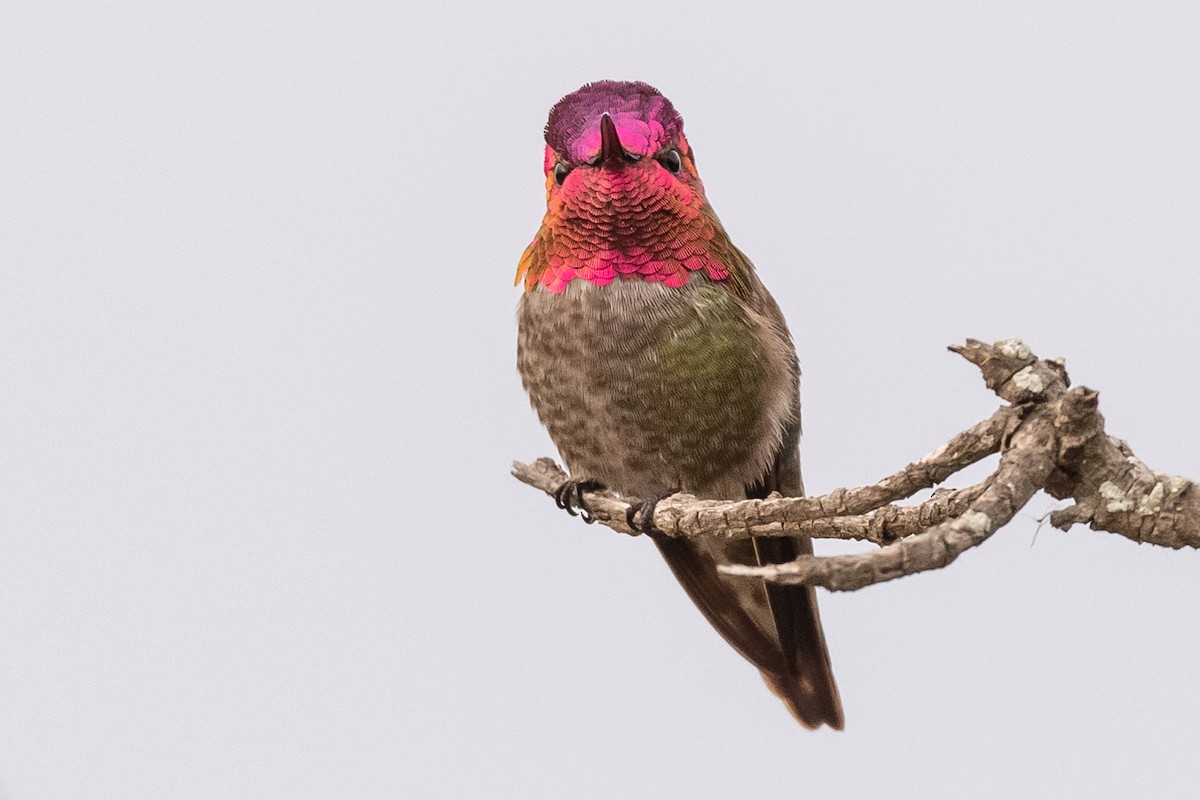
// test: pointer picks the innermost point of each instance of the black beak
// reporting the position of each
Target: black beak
(612, 154)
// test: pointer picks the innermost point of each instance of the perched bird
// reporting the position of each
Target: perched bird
(658, 362)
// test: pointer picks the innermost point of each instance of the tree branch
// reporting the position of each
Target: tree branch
(1050, 438)
(841, 514)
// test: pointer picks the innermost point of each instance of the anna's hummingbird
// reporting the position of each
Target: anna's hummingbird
(657, 361)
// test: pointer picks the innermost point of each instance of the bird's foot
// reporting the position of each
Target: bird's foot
(569, 497)
(640, 518)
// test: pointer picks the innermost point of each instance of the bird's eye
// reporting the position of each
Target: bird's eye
(560, 172)
(671, 161)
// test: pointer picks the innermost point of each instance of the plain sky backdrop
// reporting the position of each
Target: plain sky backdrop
(258, 398)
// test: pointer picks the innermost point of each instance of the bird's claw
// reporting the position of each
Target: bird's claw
(640, 518)
(569, 497)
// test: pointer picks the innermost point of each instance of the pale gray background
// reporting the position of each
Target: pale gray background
(258, 401)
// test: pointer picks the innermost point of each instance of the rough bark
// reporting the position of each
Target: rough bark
(1050, 438)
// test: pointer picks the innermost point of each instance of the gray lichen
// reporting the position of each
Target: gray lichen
(1176, 483)
(1014, 348)
(977, 522)
(1029, 380)
(1117, 500)
(1152, 502)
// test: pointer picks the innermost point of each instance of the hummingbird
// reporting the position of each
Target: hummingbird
(658, 362)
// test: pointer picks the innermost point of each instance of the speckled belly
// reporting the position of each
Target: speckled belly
(647, 388)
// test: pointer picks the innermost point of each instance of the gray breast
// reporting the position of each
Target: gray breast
(647, 388)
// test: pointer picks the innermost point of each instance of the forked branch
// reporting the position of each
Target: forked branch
(1050, 438)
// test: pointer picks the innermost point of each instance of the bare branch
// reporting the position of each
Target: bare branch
(968, 447)
(1115, 491)
(1023, 469)
(1051, 438)
(684, 515)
